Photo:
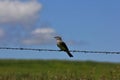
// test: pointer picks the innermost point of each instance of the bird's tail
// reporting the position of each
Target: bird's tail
(68, 52)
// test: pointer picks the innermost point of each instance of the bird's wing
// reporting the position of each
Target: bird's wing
(63, 46)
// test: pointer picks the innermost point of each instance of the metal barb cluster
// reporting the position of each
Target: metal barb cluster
(105, 52)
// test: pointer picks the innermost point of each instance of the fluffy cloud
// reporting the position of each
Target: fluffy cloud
(40, 36)
(19, 11)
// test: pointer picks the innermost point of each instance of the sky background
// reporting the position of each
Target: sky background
(83, 24)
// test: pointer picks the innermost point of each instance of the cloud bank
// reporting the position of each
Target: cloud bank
(23, 12)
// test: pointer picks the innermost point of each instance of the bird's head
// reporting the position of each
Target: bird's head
(58, 38)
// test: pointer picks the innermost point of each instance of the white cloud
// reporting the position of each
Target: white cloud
(19, 11)
(40, 36)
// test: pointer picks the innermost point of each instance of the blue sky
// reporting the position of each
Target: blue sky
(83, 24)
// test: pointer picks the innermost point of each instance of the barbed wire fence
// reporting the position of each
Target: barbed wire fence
(78, 51)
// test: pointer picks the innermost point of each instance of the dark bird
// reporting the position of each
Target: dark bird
(62, 45)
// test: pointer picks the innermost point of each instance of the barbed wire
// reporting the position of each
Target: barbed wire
(81, 51)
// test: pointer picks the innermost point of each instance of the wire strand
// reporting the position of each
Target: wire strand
(79, 51)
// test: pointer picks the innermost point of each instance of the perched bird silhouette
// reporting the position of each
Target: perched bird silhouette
(62, 45)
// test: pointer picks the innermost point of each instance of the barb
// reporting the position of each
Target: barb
(105, 52)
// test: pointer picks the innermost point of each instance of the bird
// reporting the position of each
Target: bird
(61, 44)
